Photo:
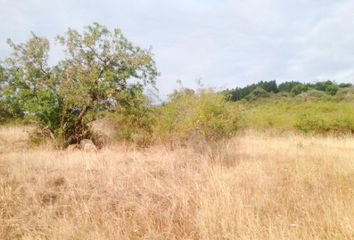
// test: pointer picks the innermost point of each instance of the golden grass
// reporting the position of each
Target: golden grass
(258, 187)
(14, 137)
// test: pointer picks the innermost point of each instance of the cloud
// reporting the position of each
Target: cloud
(226, 43)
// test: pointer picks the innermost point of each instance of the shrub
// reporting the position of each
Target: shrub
(134, 118)
(195, 116)
(300, 88)
(308, 123)
(329, 87)
(312, 95)
(345, 94)
(258, 92)
(326, 117)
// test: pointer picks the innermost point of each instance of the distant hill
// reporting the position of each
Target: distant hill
(266, 89)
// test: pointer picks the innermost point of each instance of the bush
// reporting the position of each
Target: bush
(134, 118)
(300, 88)
(312, 124)
(313, 95)
(259, 92)
(308, 124)
(329, 87)
(201, 116)
(345, 94)
(326, 117)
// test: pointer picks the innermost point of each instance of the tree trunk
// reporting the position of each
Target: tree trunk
(81, 116)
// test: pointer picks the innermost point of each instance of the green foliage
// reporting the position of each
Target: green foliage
(325, 117)
(326, 86)
(288, 86)
(269, 86)
(258, 92)
(241, 93)
(202, 115)
(9, 106)
(295, 88)
(320, 116)
(103, 72)
(345, 85)
(64, 98)
(299, 88)
(133, 118)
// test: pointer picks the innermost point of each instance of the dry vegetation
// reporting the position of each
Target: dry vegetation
(258, 186)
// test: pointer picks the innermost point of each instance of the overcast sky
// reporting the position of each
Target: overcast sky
(225, 43)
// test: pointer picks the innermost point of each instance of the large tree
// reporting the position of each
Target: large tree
(63, 98)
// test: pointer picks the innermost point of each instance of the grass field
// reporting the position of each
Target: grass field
(258, 186)
(289, 115)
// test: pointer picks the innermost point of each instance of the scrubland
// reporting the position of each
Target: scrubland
(257, 185)
(264, 161)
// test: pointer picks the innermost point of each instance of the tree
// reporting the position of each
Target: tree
(299, 88)
(288, 86)
(269, 86)
(345, 85)
(9, 105)
(64, 98)
(241, 93)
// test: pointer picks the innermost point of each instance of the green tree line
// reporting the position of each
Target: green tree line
(264, 88)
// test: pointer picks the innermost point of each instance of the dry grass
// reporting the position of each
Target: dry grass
(257, 187)
(14, 137)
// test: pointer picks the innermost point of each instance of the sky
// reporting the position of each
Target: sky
(222, 43)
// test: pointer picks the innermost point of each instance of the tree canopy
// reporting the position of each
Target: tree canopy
(98, 67)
